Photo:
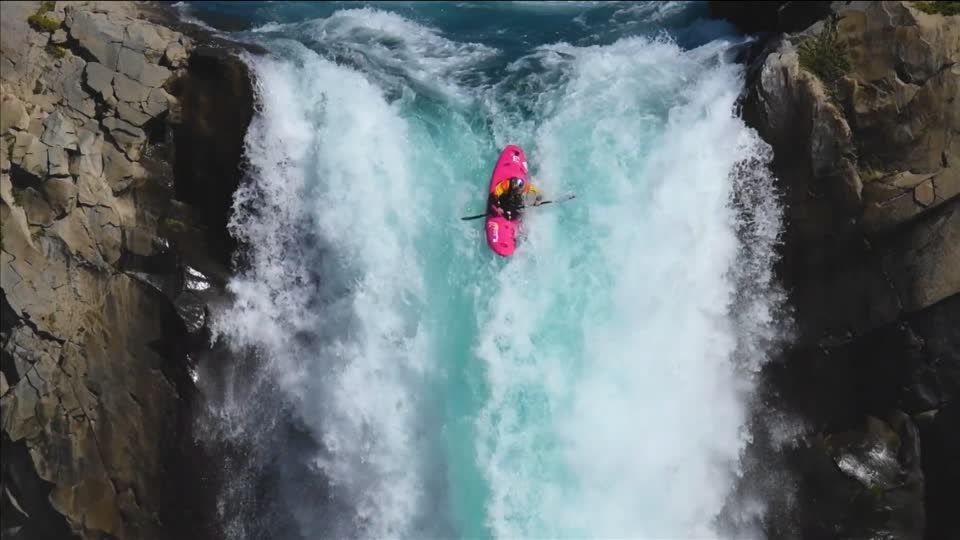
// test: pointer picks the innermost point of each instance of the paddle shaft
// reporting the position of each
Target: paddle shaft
(541, 203)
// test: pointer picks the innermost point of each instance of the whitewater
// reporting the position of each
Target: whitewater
(400, 380)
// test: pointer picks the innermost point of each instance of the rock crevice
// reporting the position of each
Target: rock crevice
(871, 257)
(99, 322)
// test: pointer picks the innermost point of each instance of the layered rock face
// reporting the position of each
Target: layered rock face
(105, 266)
(863, 112)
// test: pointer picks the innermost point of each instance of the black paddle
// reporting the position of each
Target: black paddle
(541, 203)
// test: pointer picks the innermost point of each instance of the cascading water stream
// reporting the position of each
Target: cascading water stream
(596, 384)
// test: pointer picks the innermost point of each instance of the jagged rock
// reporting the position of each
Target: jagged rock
(765, 16)
(92, 189)
(59, 37)
(96, 33)
(895, 200)
(131, 113)
(104, 436)
(89, 141)
(37, 209)
(105, 227)
(27, 349)
(119, 170)
(140, 242)
(58, 163)
(100, 78)
(130, 138)
(13, 114)
(885, 459)
(157, 102)
(135, 66)
(75, 233)
(205, 164)
(175, 55)
(77, 99)
(150, 39)
(62, 195)
(89, 164)
(65, 81)
(86, 464)
(923, 194)
(922, 262)
(30, 154)
(127, 89)
(59, 131)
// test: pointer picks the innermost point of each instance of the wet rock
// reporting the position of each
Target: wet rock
(921, 262)
(107, 443)
(884, 457)
(868, 171)
(767, 17)
(210, 138)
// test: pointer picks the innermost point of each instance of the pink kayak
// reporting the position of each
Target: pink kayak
(501, 232)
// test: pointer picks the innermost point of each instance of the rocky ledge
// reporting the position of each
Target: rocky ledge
(861, 104)
(121, 145)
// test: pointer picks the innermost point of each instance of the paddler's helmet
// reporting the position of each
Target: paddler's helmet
(516, 183)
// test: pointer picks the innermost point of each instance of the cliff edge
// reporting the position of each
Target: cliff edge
(861, 104)
(121, 147)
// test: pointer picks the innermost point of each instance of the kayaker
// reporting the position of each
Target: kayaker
(508, 197)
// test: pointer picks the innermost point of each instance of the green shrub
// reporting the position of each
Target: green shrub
(825, 54)
(55, 51)
(42, 23)
(870, 173)
(39, 20)
(938, 8)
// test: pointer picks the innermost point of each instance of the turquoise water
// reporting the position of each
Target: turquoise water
(595, 384)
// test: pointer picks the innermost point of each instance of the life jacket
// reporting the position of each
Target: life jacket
(504, 185)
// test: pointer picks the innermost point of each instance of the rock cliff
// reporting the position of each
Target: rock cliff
(862, 109)
(121, 145)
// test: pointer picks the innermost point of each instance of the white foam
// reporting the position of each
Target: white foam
(617, 343)
(386, 44)
(329, 155)
(633, 426)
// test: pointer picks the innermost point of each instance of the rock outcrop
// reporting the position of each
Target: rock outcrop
(105, 266)
(862, 109)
